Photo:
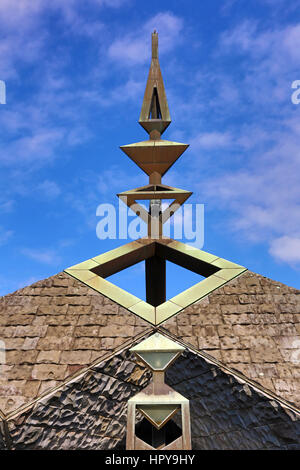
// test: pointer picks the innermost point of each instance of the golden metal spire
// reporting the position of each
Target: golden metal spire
(154, 45)
(155, 113)
(154, 156)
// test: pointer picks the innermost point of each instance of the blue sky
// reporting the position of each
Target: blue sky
(75, 74)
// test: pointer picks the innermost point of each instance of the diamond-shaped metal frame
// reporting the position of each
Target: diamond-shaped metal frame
(217, 271)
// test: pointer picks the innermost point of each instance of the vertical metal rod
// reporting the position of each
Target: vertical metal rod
(186, 426)
(155, 219)
(130, 436)
(155, 280)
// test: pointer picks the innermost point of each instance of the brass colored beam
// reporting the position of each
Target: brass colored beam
(218, 272)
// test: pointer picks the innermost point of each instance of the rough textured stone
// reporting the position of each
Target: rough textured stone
(57, 327)
(53, 328)
(90, 412)
(251, 324)
(229, 414)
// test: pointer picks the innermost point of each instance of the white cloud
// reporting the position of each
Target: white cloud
(49, 188)
(6, 205)
(5, 235)
(133, 48)
(262, 199)
(26, 13)
(286, 249)
(35, 148)
(49, 257)
(19, 12)
(127, 91)
(259, 191)
(212, 140)
(25, 34)
(272, 48)
(17, 49)
(113, 178)
(32, 133)
(268, 61)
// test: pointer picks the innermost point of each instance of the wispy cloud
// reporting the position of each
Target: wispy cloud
(5, 235)
(286, 249)
(50, 257)
(73, 71)
(272, 57)
(99, 188)
(131, 48)
(263, 198)
(257, 185)
(212, 140)
(24, 23)
(26, 12)
(6, 205)
(49, 188)
(39, 146)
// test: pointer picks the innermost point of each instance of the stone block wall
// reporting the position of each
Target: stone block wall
(51, 330)
(252, 324)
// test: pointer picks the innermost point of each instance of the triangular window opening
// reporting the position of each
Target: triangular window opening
(155, 112)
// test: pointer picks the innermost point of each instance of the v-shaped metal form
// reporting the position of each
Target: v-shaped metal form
(150, 192)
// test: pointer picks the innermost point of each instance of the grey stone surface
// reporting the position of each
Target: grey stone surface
(124, 367)
(54, 328)
(251, 324)
(87, 414)
(90, 412)
(227, 414)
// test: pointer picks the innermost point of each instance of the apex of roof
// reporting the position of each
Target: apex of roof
(56, 327)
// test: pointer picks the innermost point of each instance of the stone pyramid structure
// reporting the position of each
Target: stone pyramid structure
(67, 369)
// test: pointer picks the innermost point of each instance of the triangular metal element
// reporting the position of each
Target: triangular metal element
(151, 191)
(155, 113)
(154, 155)
(175, 445)
(157, 343)
(156, 191)
(158, 414)
(155, 124)
(158, 361)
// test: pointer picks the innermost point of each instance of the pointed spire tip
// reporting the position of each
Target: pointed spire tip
(155, 115)
(154, 45)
